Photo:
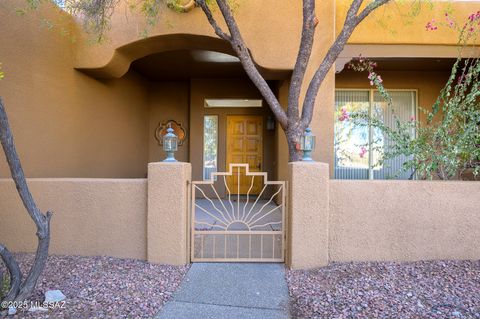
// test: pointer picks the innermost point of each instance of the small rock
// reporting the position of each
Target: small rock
(456, 314)
(12, 311)
(54, 296)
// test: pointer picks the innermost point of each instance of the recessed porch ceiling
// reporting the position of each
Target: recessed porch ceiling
(186, 64)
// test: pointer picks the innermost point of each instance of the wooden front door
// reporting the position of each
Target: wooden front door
(245, 146)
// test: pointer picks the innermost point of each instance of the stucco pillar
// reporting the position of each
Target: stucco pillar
(308, 214)
(167, 222)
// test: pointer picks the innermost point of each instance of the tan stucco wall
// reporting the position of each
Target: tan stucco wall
(404, 220)
(322, 124)
(65, 123)
(69, 124)
(277, 45)
(168, 101)
(308, 218)
(403, 22)
(127, 115)
(328, 220)
(168, 220)
(89, 120)
(91, 216)
(269, 47)
(428, 83)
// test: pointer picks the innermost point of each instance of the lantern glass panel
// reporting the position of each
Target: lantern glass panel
(170, 143)
(307, 142)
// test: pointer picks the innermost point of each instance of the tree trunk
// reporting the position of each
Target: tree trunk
(36, 270)
(290, 121)
(14, 272)
(293, 141)
(42, 221)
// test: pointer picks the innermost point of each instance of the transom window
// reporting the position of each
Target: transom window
(232, 103)
(358, 149)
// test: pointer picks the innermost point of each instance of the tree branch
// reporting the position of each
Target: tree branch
(238, 45)
(351, 22)
(38, 264)
(370, 8)
(218, 31)
(42, 221)
(306, 44)
(14, 271)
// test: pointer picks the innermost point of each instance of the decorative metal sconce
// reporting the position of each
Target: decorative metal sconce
(170, 145)
(307, 145)
(270, 123)
(177, 127)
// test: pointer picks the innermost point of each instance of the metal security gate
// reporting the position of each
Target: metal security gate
(230, 223)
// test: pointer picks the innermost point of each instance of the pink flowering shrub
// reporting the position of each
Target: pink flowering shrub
(431, 25)
(362, 64)
(363, 151)
(344, 115)
(449, 146)
(468, 31)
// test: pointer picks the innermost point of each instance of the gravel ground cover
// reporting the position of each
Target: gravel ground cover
(429, 289)
(104, 287)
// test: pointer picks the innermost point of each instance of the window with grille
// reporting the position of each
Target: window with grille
(358, 148)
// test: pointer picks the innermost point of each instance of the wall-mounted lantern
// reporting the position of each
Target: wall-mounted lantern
(270, 123)
(307, 145)
(170, 145)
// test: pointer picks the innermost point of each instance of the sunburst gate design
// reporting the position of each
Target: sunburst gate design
(228, 215)
(239, 216)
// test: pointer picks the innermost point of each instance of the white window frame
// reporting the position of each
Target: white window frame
(370, 108)
(233, 103)
(203, 143)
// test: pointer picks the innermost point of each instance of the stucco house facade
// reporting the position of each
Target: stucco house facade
(91, 113)
(97, 106)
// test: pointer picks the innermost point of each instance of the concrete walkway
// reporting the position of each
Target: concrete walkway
(223, 290)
